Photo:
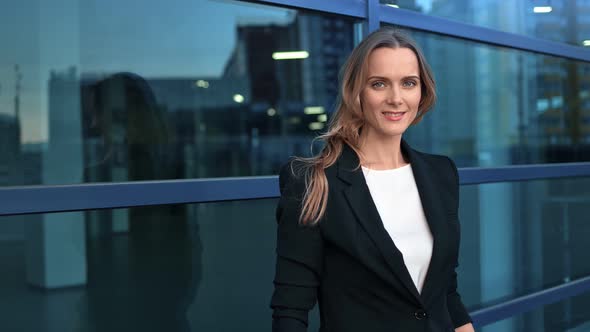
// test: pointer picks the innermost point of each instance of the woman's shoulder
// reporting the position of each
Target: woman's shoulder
(292, 175)
(431, 157)
(441, 165)
(294, 168)
(436, 159)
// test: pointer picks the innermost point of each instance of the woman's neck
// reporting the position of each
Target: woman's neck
(379, 153)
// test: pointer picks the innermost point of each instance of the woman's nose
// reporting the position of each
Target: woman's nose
(394, 96)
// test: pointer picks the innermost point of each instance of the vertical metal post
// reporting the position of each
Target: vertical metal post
(373, 21)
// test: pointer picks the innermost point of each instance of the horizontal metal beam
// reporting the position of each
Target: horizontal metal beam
(42, 199)
(353, 8)
(529, 302)
(479, 175)
(439, 25)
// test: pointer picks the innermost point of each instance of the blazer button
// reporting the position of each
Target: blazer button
(420, 314)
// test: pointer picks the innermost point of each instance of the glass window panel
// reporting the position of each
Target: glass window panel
(566, 21)
(155, 90)
(522, 237)
(200, 267)
(189, 267)
(499, 106)
(570, 315)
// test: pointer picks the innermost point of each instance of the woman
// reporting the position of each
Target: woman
(369, 227)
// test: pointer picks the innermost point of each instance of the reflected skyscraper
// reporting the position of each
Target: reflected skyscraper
(10, 139)
(563, 102)
(10, 146)
(291, 98)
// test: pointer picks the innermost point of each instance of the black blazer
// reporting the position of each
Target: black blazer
(349, 263)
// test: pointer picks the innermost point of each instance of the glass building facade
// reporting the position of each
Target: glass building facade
(140, 142)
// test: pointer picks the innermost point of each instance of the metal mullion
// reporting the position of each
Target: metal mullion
(480, 175)
(529, 302)
(373, 20)
(352, 8)
(43, 199)
(439, 25)
(64, 198)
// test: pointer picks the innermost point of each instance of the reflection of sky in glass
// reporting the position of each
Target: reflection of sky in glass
(560, 21)
(178, 38)
(424, 4)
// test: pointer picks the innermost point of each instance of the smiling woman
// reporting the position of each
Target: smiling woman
(369, 226)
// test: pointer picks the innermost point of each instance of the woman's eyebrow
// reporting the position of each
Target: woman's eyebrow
(413, 76)
(378, 77)
(387, 79)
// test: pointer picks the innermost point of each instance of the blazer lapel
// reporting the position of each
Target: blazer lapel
(435, 216)
(359, 198)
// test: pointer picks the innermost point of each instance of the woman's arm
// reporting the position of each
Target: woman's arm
(457, 311)
(459, 315)
(299, 259)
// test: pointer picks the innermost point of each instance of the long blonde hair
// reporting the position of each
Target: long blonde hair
(347, 122)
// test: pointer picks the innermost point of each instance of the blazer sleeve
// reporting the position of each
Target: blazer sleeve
(299, 259)
(459, 314)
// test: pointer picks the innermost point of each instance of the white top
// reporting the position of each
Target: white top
(398, 202)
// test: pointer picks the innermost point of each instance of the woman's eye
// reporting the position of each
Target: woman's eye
(378, 84)
(409, 83)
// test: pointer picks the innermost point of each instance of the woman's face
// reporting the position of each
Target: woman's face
(392, 92)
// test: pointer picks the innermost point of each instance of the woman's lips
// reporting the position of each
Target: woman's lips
(393, 116)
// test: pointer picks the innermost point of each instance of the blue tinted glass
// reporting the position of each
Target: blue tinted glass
(561, 21)
(190, 267)
(522, 237)
(142, 90)
(498, 106)
(206, 267)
